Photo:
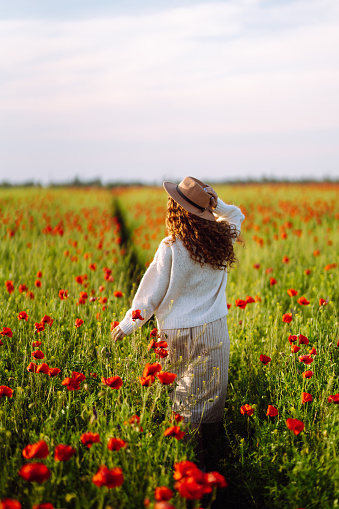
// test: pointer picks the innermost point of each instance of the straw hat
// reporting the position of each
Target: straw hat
(190, 194)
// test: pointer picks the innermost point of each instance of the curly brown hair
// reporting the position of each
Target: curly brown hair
(207, 241)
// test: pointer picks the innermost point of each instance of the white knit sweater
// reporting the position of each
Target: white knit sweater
(180, 292)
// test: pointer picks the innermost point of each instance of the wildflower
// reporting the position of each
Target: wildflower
(295, 425)
(32, 367)
(39, 327)
(249, 299)
(257, 298)
(134, 421)
(287, 317)
(246, 410)
(313, 351)
(44, 505)
(323, 302)
(307, 272)
(286, 259)
(161, 353)
(63, 452)
(101, 288)
(35, 344)
(308, 374)
(146, 381)
(93, 266)
(35, 472)
(6, 391)
(271, 411)
(38, 283)
(78, 322)
(6, 331)
(9, 286)
(109, 478)
(174, 431)
(334, 399)
(273, 281)
(292, 338)
(229, 305)
(38, 450)
(306, 397)
(316, 252)
(295, 348)
(154, 333)
(269, 270)
(38, 354)
(114, 382)
(303, 340)
(240, 303)
(177, 417)
(115, 444)
(151, 369)
(292, 292)
(63, 294)
(88, 439)
(73, 383)
(30, 295)
(162, 493)
(215, 480)
(166, 378)
(256, 266)
(10, 503)
(303, 301)
(53, 372)
(23, 288)
(265, 359)
(117, 294)
(47, 319)
(136, 315)
(43, 368)
(306, 359)
(23, 315)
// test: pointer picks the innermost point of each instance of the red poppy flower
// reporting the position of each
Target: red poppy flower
(35, 344)
(38, 354)
(273, 281)
(63, 294)
(53, 372)
(285, 259)
(47, 319)
(63, 452)
(303, 301)
(35, 472)
(295, 425)
(323, 302)
(162, 493)
(303, 340)
(271, 411)
(240, 303)
(73, 383)
(256, 266)
(136, 315)
(38, 450)
(292, 338)
(154, 333)
(215, 480)
(30, 295)
(115, 444)
(151, 369)
(308, 374)
(39, 274)
(88, 439)
(6, 331)
(334, 399)
(10, 503)
(174, 431)
(246, 410)
(265, 359)
(146, 381)
(44, 505)
(134, 421)
(39, 327)
(292, 292)
(78, 322)
(38, 283)
(190, 487)
(23, 315)
(166, 378)
(313, 351)
(306, 397)
(316, 252)
(43, 368)
(114, 382)
(109, 478)
(307, 272)
(9, 286)
(117, 294)
(32, 367)
(101, 288)
(161, 353)
(287, 317)
(229, 305)
(177, 417)
(6, 391)
(249, 299)
(306, 359)
(295, 348)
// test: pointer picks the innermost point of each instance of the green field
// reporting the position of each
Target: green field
(96, 243)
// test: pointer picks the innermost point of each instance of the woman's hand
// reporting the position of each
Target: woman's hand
(117, 334)
(214, 196)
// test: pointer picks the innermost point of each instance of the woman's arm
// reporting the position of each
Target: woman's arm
(151, 291)
(224, 212)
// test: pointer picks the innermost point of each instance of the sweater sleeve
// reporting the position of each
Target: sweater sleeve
(229, 213)
(152, 289)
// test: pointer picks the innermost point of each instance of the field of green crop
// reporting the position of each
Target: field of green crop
(79, 430)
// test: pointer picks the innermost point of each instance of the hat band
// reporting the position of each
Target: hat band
(190, 201)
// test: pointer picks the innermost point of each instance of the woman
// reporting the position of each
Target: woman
(185, 288)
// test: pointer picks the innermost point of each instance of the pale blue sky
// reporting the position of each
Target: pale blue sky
(127, 90)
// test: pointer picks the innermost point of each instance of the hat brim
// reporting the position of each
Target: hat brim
(171, 189)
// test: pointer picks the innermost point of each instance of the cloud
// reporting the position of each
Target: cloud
(193, 74)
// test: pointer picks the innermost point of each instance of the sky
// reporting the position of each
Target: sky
(157, 90)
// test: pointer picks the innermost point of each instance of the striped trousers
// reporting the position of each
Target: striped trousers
(200, 357)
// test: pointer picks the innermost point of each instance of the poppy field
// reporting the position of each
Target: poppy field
(87, 423)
